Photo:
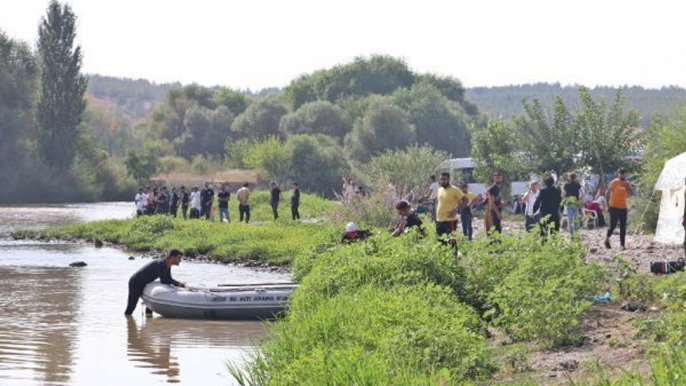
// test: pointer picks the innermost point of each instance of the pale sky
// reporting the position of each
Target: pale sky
(262, 43)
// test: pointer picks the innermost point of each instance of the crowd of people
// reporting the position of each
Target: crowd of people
(200, 203)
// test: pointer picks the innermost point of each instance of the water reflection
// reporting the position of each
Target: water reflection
(38, 329)
(149, 350)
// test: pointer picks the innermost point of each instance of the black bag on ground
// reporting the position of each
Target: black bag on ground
(664, 267)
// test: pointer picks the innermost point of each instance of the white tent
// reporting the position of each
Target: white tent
(672, 183)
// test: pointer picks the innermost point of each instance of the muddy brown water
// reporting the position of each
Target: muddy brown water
(65, 326)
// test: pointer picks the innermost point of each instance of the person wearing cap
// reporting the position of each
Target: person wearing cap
(408, 219)
(158, 268)
(353, 234)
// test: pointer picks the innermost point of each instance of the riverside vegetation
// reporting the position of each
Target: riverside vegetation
(406, 311)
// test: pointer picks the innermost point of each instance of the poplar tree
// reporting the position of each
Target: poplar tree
(61, 99)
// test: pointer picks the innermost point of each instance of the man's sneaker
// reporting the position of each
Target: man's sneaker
(607, 244)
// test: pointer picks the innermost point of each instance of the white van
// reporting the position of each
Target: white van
(465, 166)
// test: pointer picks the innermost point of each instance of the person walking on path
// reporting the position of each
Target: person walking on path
(274, 199)
(617, 193)
(494, 205)
(158, 268)
(223, 198)
(243, 196)
(450, 201)
(529, 199)
(466, 212)
(295, 202)
(572, 194)
(433, 194)
(548, 202)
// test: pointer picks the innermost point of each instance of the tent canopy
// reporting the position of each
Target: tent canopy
(672, 183)
(673, 174)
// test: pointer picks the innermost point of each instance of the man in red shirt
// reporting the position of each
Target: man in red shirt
(617, 193)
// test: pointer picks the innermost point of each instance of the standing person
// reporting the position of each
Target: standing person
(572, 192)
(295, 201)
(196, 206)
(466, 212)
(274, 199)
(140, 199)
(243, 196)
(223, 198)
(532, 217)
(618, 191)
(433, 193)
(494, 205)
(450, 201)
(408, 219)
(174, 207)
(548, 202)
(206, 199)
(185, 201)
(151, 203)
(162, 201)
(158, 268)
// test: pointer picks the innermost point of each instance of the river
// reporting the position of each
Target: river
(65, 326)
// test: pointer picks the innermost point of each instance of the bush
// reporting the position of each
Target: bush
(370, 336)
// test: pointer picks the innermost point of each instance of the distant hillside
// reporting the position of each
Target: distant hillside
(505, 101)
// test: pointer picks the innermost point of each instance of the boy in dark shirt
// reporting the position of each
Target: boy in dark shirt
(158, 268)
(408, 219)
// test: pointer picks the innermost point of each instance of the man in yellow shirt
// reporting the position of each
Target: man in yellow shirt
(617, 193)
(450, 201)
(243, 196)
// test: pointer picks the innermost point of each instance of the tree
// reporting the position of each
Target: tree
(494, 149)
(271, 156)
(206, 132)
(409, 168)
(440, 124)
(384, 126)
(141, 164)
(607, 137)
(235, 101)
(317, 162)
(549, 144)
(318, 117)
(260, 120)
(61, 98)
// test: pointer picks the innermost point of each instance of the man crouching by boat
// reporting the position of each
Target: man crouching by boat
(158, 268)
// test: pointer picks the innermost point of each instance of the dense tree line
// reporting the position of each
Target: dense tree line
(506, 101)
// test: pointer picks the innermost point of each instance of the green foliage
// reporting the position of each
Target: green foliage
(494, 149)
(260, 120)
(206, 132)
(236, 151)
(607, 137)
(141, 164)
(316, 162)
(271, 156)
(372, 210)
(376, 75)
(235, 101)
(384, 126)
(440, 123)
(534, 290)
(61, 99)
(318, 117)
(551, 141)
(409, 169)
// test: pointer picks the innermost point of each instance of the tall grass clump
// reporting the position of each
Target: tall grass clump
(534, 290)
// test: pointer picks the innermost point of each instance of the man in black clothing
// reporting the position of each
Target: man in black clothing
(206, 198)
(408, 219)
(495, 197)
(174, 202)
(185, 200)
(223, 204)
(295, 202)
(549, 203)
(572, 192)
(158, 268)
(274, 200)
(163, 201)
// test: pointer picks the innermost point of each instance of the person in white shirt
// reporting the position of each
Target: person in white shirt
(140, 200)
(529, 199)
(433, 195)
(195, 203)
